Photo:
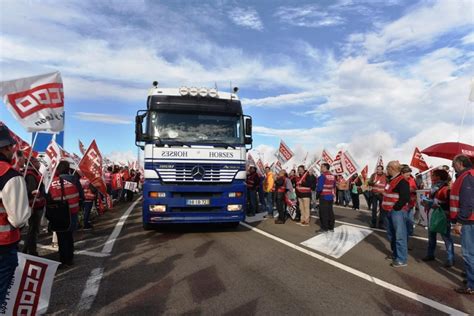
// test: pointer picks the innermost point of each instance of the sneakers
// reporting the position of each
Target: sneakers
(397, 264)
(321, 231)
(428, 258)
(465, 290)
(279, 221)
(389, 257)
(304, 224)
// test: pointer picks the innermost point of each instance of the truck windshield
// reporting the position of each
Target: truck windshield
(194, 128)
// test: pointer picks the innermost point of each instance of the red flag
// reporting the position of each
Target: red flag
(81, 148)
(364, 173)
(337, 167)
(21, 144)
(91, 167)
(417, 161)
(109, 202)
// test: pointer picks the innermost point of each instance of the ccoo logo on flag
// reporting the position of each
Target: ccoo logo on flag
(27, 102)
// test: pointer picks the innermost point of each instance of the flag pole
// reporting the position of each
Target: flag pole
(31, 152)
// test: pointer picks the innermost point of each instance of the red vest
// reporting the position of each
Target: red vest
(282, 188)
(413, 188)
(441, 197)
(40, 200)
(71, 195)
(328, 186)
(8, 234)
(454, 197)
(117, 181)
(88, 194)
(390, 197)
(108, 177)
(299, 187)
(380, 183)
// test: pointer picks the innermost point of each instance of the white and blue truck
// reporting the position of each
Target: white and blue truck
(195, 143)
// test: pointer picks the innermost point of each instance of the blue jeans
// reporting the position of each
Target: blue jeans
(467, 250)
(252, 200)
(410, 222)
(8, 264)
(344, 197)
(269, 202)
(397, 235)
(448, 241)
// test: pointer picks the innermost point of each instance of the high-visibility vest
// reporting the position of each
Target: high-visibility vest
(299, 187)
(8, 234)
(251, 180)
(413, 188)
(108, 177)
(86, 186)
(281, 188)
(126, 175)
(390, 197)
(117, 181)
(441, 197)
(40, 201)
(71, 194)
(380, 181)
(328, 186)
(454, 205)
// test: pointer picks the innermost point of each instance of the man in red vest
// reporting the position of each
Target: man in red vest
(377, 182)
(325, 193)
(461, 207)
(395, 202)
(14, 211)
(304, 183)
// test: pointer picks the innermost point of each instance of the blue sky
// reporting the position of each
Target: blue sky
(370, 76)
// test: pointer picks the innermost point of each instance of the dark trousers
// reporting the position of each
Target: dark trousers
(252, 201)
(355, 200)
(33, 230)
(129, 195)
(280, 204)
(326, 214)
(368, 199)
(377, 205)
(66, 247)
(87, 213)
(8, 263)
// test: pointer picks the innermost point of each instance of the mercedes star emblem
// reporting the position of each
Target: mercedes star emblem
(198, 173)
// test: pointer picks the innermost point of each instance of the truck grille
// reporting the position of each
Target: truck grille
(199, 173)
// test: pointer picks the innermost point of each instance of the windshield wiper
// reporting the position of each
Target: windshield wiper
(177, 142)
(225, 145)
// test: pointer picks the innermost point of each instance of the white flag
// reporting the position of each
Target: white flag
(36, 102)
(471, 95)
(349, 165)
(30, 289)
(49, 163)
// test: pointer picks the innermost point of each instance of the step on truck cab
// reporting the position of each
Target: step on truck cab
(195, 143)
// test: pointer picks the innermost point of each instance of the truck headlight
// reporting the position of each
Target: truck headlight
(156, 195)
(155, 208)
(235, 194)
(234, 207)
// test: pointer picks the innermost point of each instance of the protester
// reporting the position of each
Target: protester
(461, 206)
(14, 211)
(33, 180)
(395, 202)
(377, 182)
(282, 187)
(108, 179)
(406, 172)
(268, 188)
(355, 187)
(252, 183)
(325, 194)
(343, 191)
(304, 183)
(63, 189)
(116, 184)
(90, 196)
(439, 198)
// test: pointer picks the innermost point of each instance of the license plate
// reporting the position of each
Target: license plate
(198, 202)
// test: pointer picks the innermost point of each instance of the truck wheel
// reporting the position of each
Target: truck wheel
(147, 226)
(233, 224)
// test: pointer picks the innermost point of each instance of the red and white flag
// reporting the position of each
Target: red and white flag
(21, 144)
(365, 172)
(260, 167)
(349, 165)
(418, 161)
(49, 163)
(277, 167)
(284, 153)
(36, 102)
(91, 167)
(326, 157)
(336, 166)
(379, 162)
(82, 149)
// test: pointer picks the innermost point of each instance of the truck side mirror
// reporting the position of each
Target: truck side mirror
(139, 137)
(248, 130)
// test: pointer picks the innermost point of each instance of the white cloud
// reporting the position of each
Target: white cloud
(308, 16)
(468, 39)
(246, 17)
(102, 118)
(283, 99)
(122, 156)
(420, 27)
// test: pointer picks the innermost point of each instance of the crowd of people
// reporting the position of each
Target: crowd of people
(391, 196)
(25, 208)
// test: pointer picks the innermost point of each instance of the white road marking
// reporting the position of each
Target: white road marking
(77, 252)
(109, 244)
(91, 289)
(257, 218)
(93, 282)
(414, 296)
(383, 231)
(337, 243)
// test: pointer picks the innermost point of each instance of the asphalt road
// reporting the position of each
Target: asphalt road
(213, 270)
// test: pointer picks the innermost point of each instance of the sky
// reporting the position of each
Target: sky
(368, 76)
